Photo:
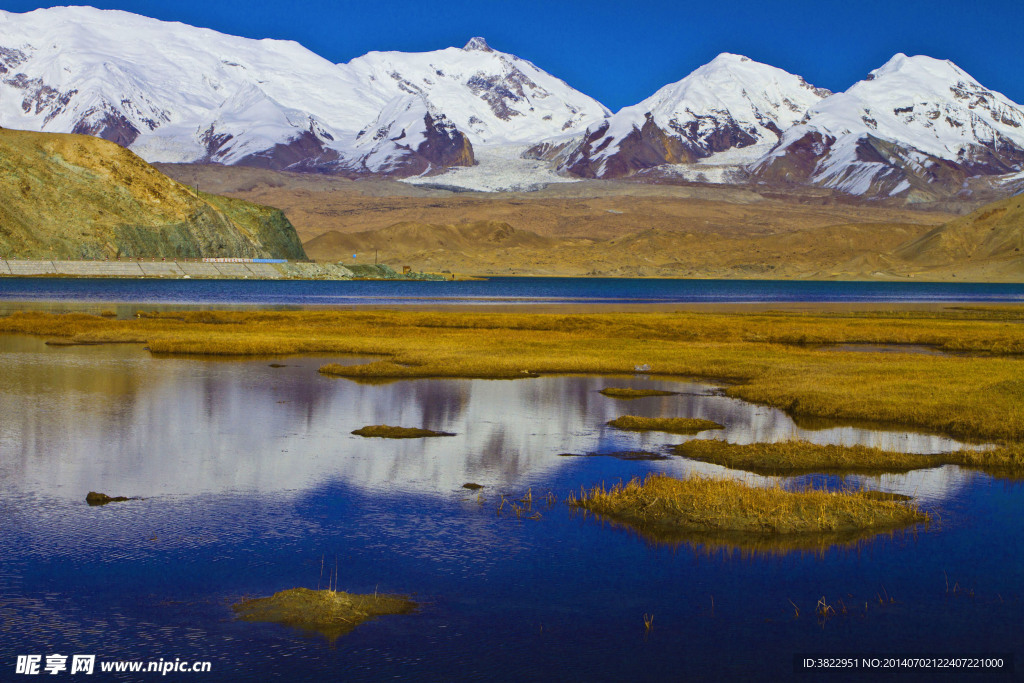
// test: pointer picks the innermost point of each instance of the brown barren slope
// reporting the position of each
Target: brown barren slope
(987, 244)
(606, 228)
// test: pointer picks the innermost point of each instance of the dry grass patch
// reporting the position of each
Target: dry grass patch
(672, 425)
(789, 458)
(331, 613)
(388, 432)
(662, 503)
(800, 457)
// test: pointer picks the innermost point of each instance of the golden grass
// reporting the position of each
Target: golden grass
(625, 393)
(672, 425)
(389, 432)
(331, 613)
(800, 457)
(766, 357)
(662, 503)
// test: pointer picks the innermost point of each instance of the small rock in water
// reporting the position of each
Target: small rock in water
(471, 486)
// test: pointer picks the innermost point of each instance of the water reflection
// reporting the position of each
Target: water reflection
(114, 419)
(751, 544)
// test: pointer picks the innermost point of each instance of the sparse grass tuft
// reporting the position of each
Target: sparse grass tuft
(664, 503)
(617, 392)
(388, 432)
(331, 613)
(672, 425)
(93, 498)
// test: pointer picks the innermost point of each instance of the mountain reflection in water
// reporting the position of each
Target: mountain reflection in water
(114, 419)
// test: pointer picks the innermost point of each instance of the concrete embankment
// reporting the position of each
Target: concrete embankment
(175, 269)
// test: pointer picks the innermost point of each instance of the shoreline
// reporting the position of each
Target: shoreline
(512, 307)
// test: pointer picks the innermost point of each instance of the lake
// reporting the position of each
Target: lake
(251, 480)
(496, 290)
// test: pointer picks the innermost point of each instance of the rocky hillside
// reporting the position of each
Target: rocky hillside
(75, 196)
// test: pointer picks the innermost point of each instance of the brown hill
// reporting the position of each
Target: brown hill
(597, 209)
(493, 248)
(409, 238)
(601, 227)
(75, 196)
(992, 236)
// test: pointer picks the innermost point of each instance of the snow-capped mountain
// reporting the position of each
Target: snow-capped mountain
(916, 127)
(731, 102)
(493, 97)
(915, 124)
(177, 93)
(408, 138)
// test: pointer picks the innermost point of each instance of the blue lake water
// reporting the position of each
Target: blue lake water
(497, 290)
(250, 478)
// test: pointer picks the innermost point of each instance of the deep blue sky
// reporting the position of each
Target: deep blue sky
(621, 52)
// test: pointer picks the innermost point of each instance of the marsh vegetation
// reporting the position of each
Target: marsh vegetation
(671, 425)
(328, 612)
(666, 504)
(789, 458)
(389, 432)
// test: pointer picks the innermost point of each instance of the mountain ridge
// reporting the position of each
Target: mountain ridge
(916, 128)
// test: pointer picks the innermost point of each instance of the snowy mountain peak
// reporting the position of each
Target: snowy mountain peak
(919, 65)
(493, 97)
(730, 102)
(914, 122)
(477, 43)
(724, 58)
(177, 93)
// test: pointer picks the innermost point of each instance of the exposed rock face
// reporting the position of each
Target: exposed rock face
(730, 103)
(444, 145)
(110, 125)
(641, 148)
(305, 152)
(408, 138)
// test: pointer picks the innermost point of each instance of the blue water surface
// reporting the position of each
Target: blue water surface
(496, 290)
(251, 482)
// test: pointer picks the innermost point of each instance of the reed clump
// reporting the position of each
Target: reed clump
(664, 503)
(389, 432)
(329, 612)
(787, 458)
(672, 425)
(626, 393)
